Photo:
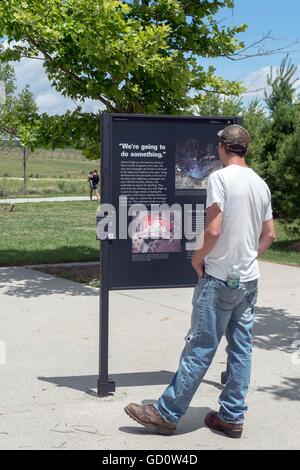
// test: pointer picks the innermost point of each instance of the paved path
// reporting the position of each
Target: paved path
(67, 265)
(49, 329)
(42, 179)
(45, 199)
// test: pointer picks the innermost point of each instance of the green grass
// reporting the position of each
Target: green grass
(59, 187)
(59, 172)
(280, 252)
(42, 164)
(39, 233)
(48, 233)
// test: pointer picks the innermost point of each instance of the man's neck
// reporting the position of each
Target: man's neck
(236, 160)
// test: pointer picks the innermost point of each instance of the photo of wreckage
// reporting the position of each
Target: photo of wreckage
(194, 163)
(155, 233)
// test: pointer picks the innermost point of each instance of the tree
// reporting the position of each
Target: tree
(27, 125)
(213, 104)
(257, 122)
(132, 55)
(255, 119)
(283, 86)
(7, 79)
(286, 172)
(20, 123)
(280, 159)
(73, 129)
(19, 119)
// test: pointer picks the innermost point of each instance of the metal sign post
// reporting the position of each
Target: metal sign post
(104, 385)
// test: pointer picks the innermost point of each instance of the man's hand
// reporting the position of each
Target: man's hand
(211, 235)
(199, 267)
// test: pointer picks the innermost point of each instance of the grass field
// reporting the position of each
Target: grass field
(48, 233)
(48, 173)
(46, 164)
(65, 232)
(10, 187)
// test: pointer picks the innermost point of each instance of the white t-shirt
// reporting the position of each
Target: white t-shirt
(245, 200)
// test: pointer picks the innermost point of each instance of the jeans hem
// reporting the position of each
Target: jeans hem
(230, 421)
(156, 406)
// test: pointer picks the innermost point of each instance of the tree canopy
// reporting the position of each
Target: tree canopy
(132, 55)
(74, 129)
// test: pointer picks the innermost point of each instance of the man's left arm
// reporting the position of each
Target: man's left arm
(211, 234)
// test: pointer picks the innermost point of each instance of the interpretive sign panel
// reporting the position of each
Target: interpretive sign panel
(161, 164)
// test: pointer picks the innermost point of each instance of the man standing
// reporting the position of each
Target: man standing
(93, 180)
(239, 228)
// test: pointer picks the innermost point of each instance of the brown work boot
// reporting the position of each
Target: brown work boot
(147, 416)
(233, 430)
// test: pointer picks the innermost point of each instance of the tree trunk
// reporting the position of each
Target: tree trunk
(24, 169)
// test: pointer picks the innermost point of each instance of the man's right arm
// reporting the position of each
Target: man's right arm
(267, 237)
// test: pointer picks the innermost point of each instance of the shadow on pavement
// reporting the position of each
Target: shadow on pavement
(16, 284)
(289, 389)
(135, 379)
(130, 379)
(275, 329)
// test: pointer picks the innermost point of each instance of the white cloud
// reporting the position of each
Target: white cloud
(256, 83)
(52, 103)
(32, 72)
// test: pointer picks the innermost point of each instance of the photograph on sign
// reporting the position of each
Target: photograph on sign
(194, 163)
(155, 233)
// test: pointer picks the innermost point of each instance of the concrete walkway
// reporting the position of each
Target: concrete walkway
(32, 178)
(66, 265)
(49, 333)
(44, 199)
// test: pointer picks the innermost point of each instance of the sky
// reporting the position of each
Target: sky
(262, 16)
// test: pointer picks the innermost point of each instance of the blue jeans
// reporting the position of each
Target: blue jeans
(216, 309)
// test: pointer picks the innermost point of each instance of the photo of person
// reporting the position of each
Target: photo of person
(155, 233)
(194, 163)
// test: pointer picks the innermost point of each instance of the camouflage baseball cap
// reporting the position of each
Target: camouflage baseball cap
(235, 138)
